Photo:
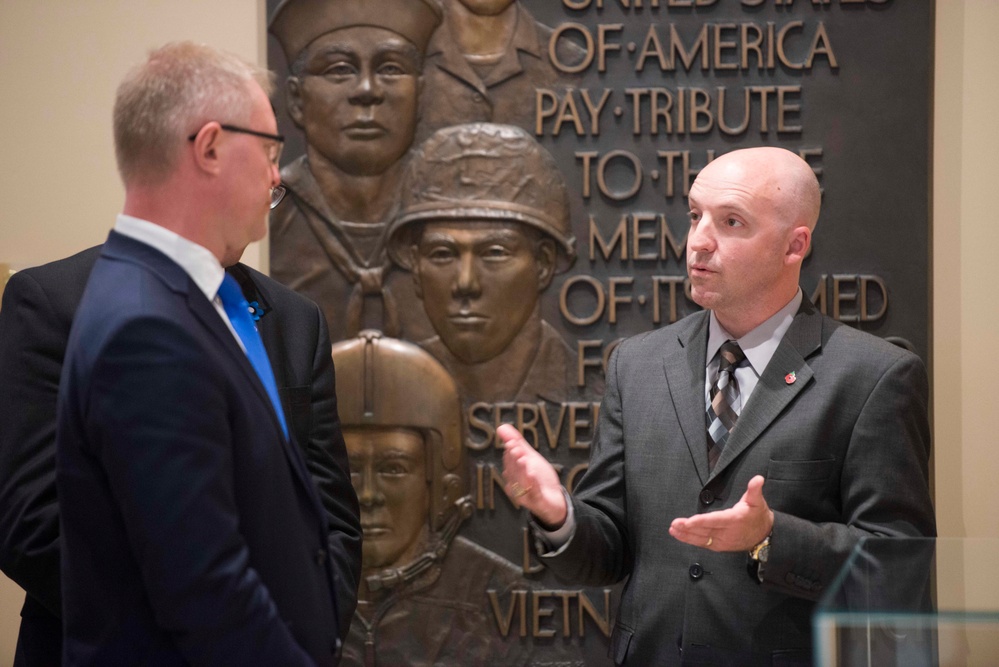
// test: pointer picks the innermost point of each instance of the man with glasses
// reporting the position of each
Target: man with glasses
(191, 528)
(38, 309)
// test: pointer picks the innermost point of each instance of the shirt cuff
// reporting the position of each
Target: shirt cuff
(553, 542)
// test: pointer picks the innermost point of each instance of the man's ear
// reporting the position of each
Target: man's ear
(414, 262)
(545, 256)
(206, 143)
(293, 98)
(799, 245)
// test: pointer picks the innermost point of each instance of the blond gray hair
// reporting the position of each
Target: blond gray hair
(179, 88)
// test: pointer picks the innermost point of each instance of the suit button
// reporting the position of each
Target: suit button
(707, 497)
(320, 556)
(696, 571)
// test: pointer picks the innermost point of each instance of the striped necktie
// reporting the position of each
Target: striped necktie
(721, 416)
(238, 310)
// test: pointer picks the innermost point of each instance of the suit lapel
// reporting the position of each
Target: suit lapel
(774, 392)
(177, 280)
(268, 334)
(252, 292)
(684, 364)
(209, 317)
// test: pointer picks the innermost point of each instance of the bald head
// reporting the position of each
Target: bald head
(775, 175)
(752, 212)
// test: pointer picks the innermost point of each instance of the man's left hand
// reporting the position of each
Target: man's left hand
(738, 528)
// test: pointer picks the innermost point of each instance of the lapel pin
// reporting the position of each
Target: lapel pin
(790, 378)
(256, 310)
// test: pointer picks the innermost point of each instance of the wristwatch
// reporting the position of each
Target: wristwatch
(758, 559)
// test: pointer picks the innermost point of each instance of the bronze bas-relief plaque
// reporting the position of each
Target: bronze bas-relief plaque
(499, 188)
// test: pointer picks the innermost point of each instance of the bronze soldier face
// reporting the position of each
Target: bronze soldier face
(389, 473)
(480, 281)
(357, 98)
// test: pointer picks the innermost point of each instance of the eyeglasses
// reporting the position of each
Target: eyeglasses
(277, 194)
(274, 154)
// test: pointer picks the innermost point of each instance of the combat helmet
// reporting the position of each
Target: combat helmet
(483, 171)
(389, 382)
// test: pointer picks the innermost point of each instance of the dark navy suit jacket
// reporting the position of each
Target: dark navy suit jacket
(191, 529)
(38, 308)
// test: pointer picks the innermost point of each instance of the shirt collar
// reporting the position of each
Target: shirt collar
(759, 344)
(197, 261)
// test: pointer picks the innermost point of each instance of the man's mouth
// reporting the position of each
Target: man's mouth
(374, 530)
(365, 129)
(699, 269)
(468, 319)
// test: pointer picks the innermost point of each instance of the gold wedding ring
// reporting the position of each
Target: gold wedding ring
(518, 490)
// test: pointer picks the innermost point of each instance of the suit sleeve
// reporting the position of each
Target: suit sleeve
(326, 456)
(155, 413)
(599, 551)
(884, 488)
(32, 345)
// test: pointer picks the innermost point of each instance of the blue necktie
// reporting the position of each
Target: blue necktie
(238, 310)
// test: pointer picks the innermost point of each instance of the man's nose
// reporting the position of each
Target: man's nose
(369, 495)
(368, 90)
(467, 281)
(700, 238)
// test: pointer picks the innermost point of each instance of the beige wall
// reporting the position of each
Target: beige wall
(965, 235)
(65, 58)
(60, 63)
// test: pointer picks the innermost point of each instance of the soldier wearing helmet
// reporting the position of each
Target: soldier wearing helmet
(484, 228)
(423, 597)
(355, 77)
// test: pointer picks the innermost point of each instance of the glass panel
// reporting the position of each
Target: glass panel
(912, 603)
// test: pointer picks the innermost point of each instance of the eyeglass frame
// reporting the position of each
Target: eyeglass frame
(278, 191)
(242, 130)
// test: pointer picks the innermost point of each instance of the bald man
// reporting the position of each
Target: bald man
(730, 479)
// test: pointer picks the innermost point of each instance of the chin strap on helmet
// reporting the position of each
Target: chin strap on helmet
(395, 576)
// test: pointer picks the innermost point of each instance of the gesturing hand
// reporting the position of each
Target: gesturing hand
(531, 481)
(738, 528)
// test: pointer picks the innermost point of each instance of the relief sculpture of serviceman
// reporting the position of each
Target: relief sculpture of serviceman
(484, 227)
(353, 87)
(485, 63)
(423, 596)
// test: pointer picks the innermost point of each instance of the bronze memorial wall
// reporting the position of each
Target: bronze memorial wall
(485, 195)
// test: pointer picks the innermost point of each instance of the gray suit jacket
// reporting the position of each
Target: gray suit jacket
(844, 448)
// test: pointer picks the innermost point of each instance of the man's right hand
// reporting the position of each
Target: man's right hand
(531, 481)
